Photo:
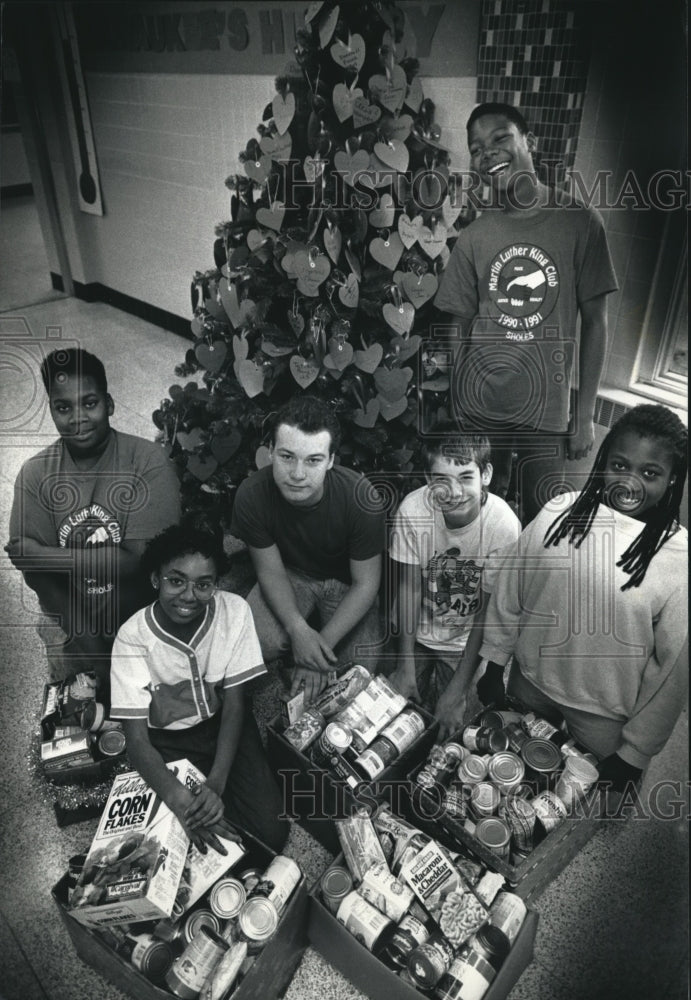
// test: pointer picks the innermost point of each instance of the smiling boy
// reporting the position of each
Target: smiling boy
(444, 540)
(84, 509)
(316, 543)
(526, 288)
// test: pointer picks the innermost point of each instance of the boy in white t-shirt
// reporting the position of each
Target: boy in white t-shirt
(445, 538)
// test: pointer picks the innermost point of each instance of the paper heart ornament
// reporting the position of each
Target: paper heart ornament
(262, 457)
(365, 113)
(311, 271)
(415, 96)
(288, 261)
(387, 252)
(389, 91)
(368, 361)
(224, 446)
(350, 56)
(189, 440)
(248, 311)
(202, 467)
(368, 416)
(283, 111)
(390, 409)
(313, 168)
(250, 377)
(349, 294)
(258, 170)
(400, 318)
(197, 326)
(339, 356)
(229, 299)
(397, 127)
(272, 217)
(238, 258)
(343, 99)
(212, 305)
(382, 216)
(409, 229)
(274, 350)
(354, 262)
(303, 370)
(433, 240)
(403, 348)
(351, 167)
(392, 383)
(211, 356)
(297, 322)
(240, 348)
(327, 26)
(393, 154)
(420, 289)
(278, 147)
(254, 239)
(333, 242)
(450, 211)
(313, 10)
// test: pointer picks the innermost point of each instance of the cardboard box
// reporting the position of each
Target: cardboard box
(368, 974)
(137, 858)
(269, 975)
(316, 797)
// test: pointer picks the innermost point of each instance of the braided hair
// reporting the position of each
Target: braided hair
(648, 421)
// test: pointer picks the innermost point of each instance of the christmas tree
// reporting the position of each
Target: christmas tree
(325, 274)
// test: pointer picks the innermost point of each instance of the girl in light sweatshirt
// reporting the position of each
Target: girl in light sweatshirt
(591, 601)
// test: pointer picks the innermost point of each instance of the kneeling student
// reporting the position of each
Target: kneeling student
(178, 668)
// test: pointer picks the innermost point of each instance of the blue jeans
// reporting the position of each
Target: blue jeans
(361, 645)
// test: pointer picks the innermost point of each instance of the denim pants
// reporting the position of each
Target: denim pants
(361, 645)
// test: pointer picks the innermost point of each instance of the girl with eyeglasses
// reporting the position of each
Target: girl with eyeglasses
(178, 672)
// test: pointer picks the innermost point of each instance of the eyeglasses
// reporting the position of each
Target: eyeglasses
(203, 590)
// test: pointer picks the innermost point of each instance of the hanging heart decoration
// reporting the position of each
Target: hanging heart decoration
(211, 304)
(258, 170)
(327, 26)
(368, 361)
(349, 294)
(409, 229)
(202, 467)
(340, 354)
(283, 111)
(392, 383)
(262, 457)
(387, 252)
(189, 440)
(350, 56)
(368, 416)
(197, 326)
(311, 270)
(415, 96)
(354, 261)
(212, 356)
(389, 91)
(365, 113)
(400, 318)
(383, 215)
(396, 128)
(240, 348)
(419, 288)
(272, 217)
(275, 350)
(313, 10)
(297, 322)
(333, 242)
(254, 240)
(278, 147)
(229, 299)
(288, 261)
(390, 409)
(343, 100)
(351, 167)
(251, 378)
(433, 240)
(393, 154)
(224, 446)
(303, 370)
(403, 348)
(248, 311)
(313, 167)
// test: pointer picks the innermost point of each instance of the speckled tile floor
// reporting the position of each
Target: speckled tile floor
(613, 925)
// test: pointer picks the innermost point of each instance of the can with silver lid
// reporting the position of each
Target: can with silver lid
(494, 833)
(404, 729)
(505, 770)
(152, 956)
(550, 809)
(520, 816)
(484, 799)
(408, 935)
(454, 753)
(455, 803)
(542, 760)
(279, 881)
(334, 740)
(226, 898)
(485, 740)
(507, 912)
(257, 921)
(93, 716)
(336, 883)
(112, 742)
(377, 757)
(517, 736)
(430, 960)
(365, 922)
(197, 920)
(192, 968)
(472, 769)
(499, 719)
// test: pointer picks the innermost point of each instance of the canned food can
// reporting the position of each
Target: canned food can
(305, 731)
(468, 977)
(454, 753)
(456, 803)
(517, 736)
(152, 956)
(226, 898)
(542, 760)
(93, 716)
(577, 778)
(484, 739)
(494, 834)
(507, 912)
(472, 769)
(429, 961)
(484, 799)
(192, 968)
(425, 778)
(336, 883)
(364, 921)
(520, 816)
(383, 890)
(280, 879)
(537, 727)
(505, 770)
(408, 935)
(257, 920)
(112, 742)
(495, 719)
(377, 757)
(404, 729)
(550, 809)
(196, 921)
(334, 740)
(250, 878)
(168, 930)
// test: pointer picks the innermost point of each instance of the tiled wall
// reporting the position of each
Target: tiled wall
(534, 55)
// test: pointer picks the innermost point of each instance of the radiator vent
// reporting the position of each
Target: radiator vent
(607, 412)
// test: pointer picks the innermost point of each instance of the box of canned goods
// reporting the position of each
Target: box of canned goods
(503, 806)
(265, 972)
